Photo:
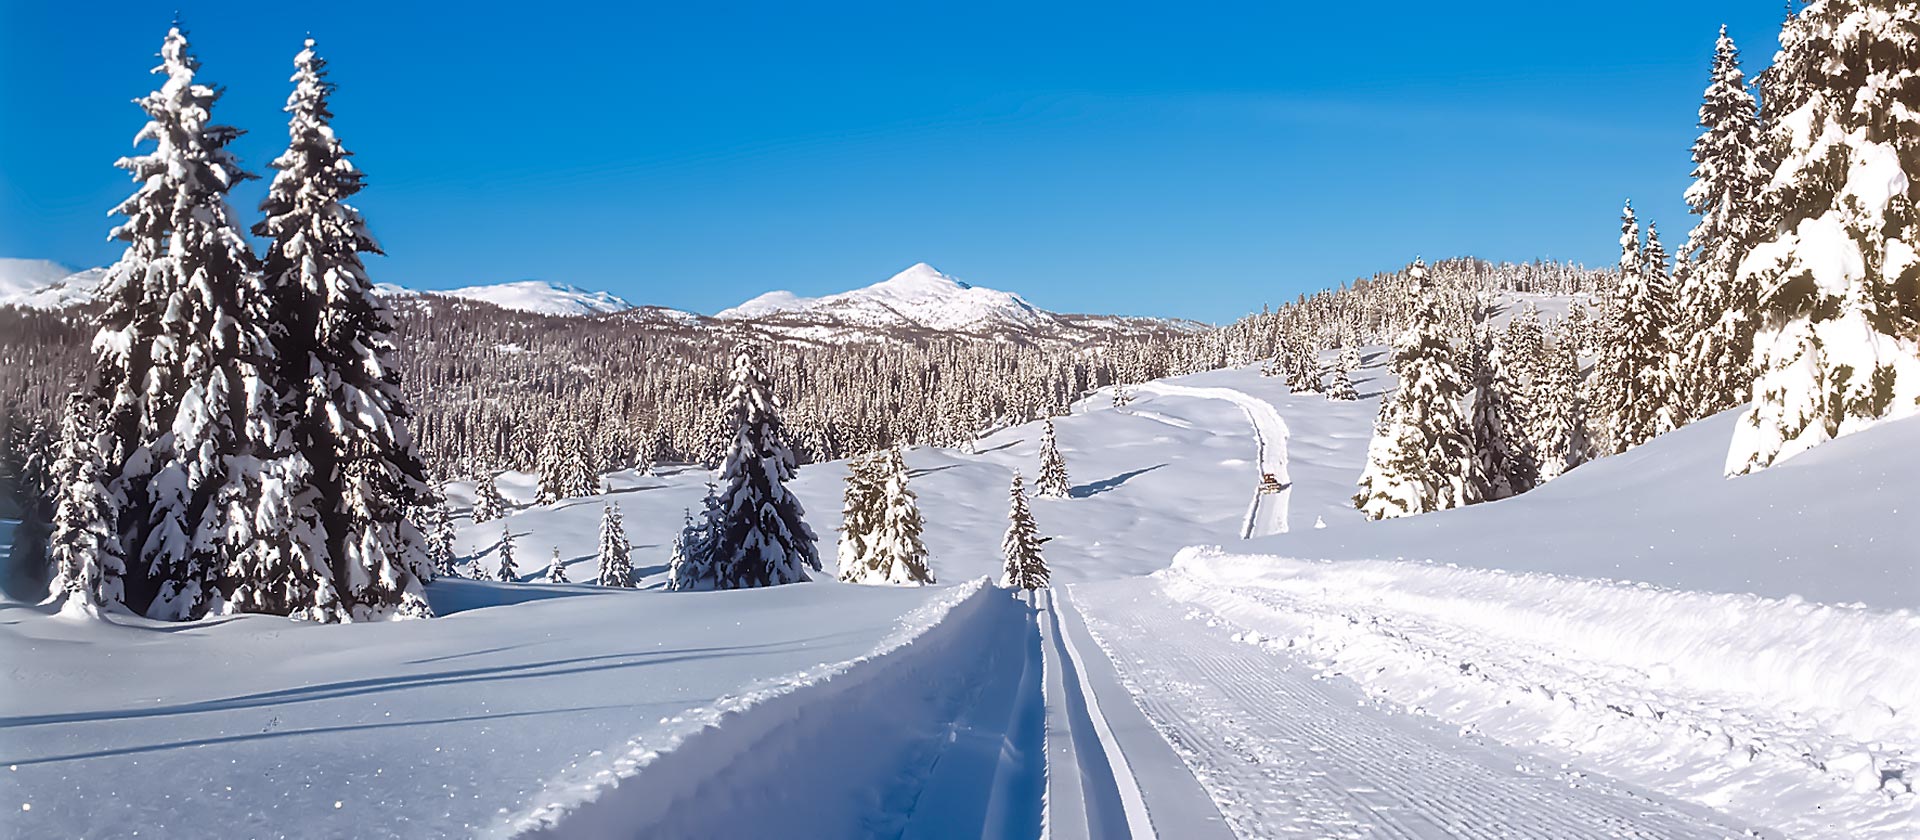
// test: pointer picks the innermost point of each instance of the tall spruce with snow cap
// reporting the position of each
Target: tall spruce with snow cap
(1837, 340)
(1504, 460)
(616, 552)
(215, 510)
(763, 538)
(487, 505)
(1715, 303)
(1052, 481)
(860, 513)
(334, 340)
(1422, 455)
(1636, 365)
(894, 553)
(87, 561)
(508, 571)
(1024, 568)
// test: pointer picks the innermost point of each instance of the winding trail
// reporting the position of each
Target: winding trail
(1267, 513)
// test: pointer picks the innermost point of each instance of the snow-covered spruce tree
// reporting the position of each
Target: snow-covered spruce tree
(861, 510)
(334, 340)
(894, 553)
(508, 572)
(1715, 303)
(1052, 481)
(1341, 389)
(215, 511)
(1504, 461)
(438, 524)
(693, 567)
(616, 552)
(87, 560)
(1349, 359)
(1421, 457)
(557, 568)
(1024, 567)
(556, 473)
(1837, 340)
(1559, 431)
(487, 505)
(1635, 367)
(763, 538)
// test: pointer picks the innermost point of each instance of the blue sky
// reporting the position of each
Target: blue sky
(1177, 159)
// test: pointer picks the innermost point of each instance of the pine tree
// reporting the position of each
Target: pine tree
(1635, 361)
(87, 560)
(1421, 457)
(1052, 481)
(1837, 338)
(1716, 304)
(763, 538)
(616, 552)
(215, 510)
(335, 346)
(556, 469)
(1504, 461)
(892, 550)
(438, 524)
(1349, 359)
(487, 505)
(557, 569)
(860, 514)
(508, 572)
(693, 567)
(1559, 419)
(1342, 388)
(1024, 567)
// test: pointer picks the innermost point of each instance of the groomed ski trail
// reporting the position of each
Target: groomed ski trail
(1267, 512)
(1286, 751)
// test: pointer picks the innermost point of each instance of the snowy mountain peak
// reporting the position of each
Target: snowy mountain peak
(918, 297)
(542, 297)
(44, 284)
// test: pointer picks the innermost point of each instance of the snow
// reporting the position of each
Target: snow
(919, 296)
(1639, 646)
(541, 297)
(43, 284)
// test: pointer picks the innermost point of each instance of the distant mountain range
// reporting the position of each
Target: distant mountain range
(917, 302)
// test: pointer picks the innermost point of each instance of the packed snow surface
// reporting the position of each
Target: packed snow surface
(1640, 648)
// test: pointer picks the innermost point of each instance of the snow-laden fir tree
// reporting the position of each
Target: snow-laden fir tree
(215, 510)
(1559, 431)
(1715, 303)
(763, 538)
(1636, 365)
(1504, 461)
(1837, 340)
(1052, 481)
(508, 572)
(87, 559)
(692, 567)
(616, 552)
(1341, 388)
(861, 510)
(557, 568)
(334, 340)
(438, 524)
(487, 505)
(1349, 359)
(1024, 567)
(1422, 454)
(892, 551)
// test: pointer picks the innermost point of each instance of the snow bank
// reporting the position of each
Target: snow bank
(1792, 714)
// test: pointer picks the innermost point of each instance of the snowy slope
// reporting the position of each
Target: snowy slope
(1259, 686)
(541, 297)
(42, 284)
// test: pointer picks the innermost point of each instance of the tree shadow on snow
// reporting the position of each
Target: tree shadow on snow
(1103, 485)
(1008, 445)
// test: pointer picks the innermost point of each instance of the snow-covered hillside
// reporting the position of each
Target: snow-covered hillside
(1638, 648)
(540, 297)
(43, 284)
